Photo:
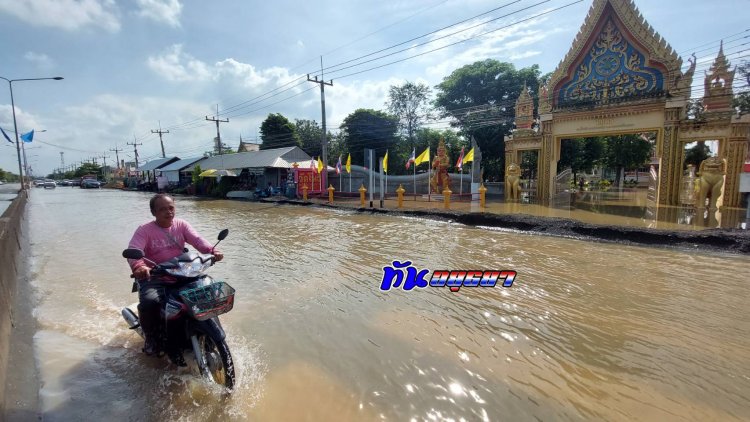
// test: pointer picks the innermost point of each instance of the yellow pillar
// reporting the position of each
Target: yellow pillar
(447, 198)
(482, 193)
(400, 191)
(304, 193)
(362, 191)
(330, 193)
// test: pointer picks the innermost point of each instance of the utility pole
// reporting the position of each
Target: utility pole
(104, 165)
(135, 148)
(218, 136)
(117, 155)
(165, 131)
(324, 141)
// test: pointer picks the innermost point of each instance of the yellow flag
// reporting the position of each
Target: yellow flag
(469, 157)
(385, 162)
(425, 156)
(349, 163)
(320, 165)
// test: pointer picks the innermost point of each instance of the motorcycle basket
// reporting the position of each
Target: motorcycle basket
(209, 301)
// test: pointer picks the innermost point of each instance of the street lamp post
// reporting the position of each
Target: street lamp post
(23, 152)
(15, 125)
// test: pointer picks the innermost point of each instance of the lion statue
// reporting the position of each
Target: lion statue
(512, 180)
(711, 172)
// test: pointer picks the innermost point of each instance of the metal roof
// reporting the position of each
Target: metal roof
(274, 158)
(158, 163)
(181, 164)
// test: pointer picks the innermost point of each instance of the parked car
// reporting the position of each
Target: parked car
(90, 184)
(49, 184)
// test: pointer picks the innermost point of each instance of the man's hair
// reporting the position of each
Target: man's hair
(152, 202)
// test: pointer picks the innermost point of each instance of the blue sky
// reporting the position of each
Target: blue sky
(130, 66)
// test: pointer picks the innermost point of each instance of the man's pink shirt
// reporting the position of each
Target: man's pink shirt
(158, 246)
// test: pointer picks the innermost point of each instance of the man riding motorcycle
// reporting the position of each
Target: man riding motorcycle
(161, 239)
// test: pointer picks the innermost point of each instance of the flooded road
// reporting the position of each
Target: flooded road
(589, 330)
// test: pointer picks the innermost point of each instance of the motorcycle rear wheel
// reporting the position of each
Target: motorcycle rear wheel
(219, 361)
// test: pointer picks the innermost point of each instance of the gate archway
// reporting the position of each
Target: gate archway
(621, 77)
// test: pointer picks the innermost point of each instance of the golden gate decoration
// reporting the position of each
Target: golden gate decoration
(621, 77)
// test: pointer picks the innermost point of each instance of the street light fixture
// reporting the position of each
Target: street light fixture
(15, 125)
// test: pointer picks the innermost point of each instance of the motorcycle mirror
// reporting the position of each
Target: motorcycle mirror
(132, 253)
(223, 234)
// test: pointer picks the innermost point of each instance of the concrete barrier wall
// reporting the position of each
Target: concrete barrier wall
(10, 248)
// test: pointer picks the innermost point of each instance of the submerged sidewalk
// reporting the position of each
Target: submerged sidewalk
(627, 209)
(667, 226)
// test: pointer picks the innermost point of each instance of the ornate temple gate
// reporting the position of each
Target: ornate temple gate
(621, 77)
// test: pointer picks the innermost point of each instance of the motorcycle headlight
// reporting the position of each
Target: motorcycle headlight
(189, 269)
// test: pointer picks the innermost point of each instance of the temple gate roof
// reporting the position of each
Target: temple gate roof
(616, 57)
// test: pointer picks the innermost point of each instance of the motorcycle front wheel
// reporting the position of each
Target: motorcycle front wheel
(220, 366)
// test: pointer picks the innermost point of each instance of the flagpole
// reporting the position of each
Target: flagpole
(415, 182)
(429, 179)
(461, 179)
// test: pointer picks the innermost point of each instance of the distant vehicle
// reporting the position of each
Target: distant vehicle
(49, 184)
(2, 182)
(90, 184)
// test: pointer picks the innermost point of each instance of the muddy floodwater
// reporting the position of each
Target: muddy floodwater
(589, 331)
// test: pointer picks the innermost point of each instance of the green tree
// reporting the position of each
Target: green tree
(741, 101)
(337, 144)
(310, 135)
(367, 128)
(481, 97)
(529, 164)
(277, 132)
(422, 138)
(88, 168)
(627, 152)
(196, 171)
(581, 154)
(411, 103)
(697, 153)
(8, 176)
(695, 109)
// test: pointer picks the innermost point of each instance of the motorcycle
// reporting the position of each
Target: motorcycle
(190, 316)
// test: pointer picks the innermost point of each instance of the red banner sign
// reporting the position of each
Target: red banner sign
(307, 177)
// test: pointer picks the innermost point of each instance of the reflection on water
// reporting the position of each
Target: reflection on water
(588, 331)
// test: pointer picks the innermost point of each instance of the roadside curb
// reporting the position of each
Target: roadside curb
(716, 240)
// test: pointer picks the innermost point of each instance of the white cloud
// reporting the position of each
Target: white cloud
(108, 120)
(69, 15)
(524, 55)
(163, 11)
(501, 44)
(176, 66)
(343, 99)
(43, 61)
(26, 121)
